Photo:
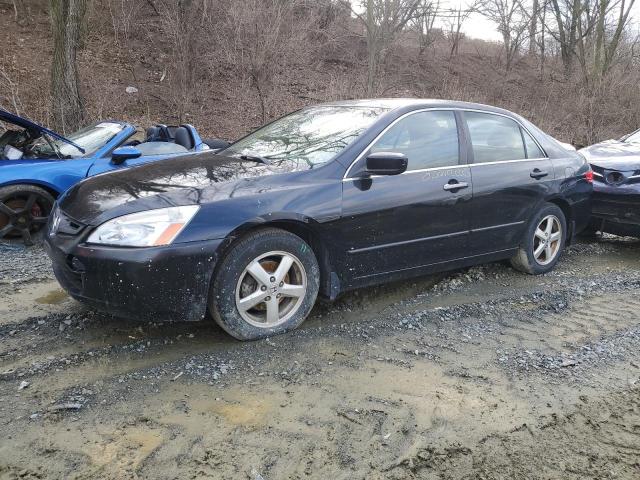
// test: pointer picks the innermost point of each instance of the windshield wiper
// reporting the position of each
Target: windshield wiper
(255, 158)
(54, 147)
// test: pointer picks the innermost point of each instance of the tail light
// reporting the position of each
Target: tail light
(588, 176)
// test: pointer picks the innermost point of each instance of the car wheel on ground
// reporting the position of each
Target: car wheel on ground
(24, 210)
(266, 284)
(543, 242)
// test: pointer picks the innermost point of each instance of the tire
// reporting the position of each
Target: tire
(245, 276)
(526, 259)
(24, 210)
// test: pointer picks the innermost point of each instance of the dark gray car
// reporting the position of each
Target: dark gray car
(616, 185)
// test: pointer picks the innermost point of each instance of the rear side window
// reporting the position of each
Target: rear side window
(494, 138)
(428, 139)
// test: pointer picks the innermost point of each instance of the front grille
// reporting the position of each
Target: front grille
(615, 177)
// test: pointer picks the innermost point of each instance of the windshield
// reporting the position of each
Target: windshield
(633, 138)
(313, 135)
(90, 138)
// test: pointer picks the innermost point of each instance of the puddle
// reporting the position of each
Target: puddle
(54, 297)
(248, 413)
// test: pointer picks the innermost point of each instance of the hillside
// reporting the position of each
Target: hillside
(231, 68)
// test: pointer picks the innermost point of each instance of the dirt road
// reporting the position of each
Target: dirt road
(483, 373)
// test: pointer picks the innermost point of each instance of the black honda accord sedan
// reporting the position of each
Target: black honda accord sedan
(329, 198)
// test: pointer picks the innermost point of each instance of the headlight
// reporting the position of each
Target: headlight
(144, 229)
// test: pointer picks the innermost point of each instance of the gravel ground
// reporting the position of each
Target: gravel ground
(481, 373)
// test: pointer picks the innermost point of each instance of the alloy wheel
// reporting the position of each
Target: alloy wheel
(271, 289)
(22, 215)
(547, 240)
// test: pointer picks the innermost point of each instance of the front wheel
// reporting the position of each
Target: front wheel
(266, 284)
(543, 243)
(24, 210)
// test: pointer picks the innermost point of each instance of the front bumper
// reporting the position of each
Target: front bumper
(616, 212)
(159, 283)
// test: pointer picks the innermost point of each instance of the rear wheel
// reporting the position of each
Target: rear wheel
(544, 241)
(266, 284)
(24, 210)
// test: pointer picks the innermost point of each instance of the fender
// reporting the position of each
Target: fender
(309, 230)
(52, 189)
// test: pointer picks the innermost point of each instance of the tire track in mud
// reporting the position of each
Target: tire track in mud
(579, 319)
(90, 326)
(594, 441)
(597, 316)
(518, 321)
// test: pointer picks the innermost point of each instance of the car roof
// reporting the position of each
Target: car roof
(397, 103)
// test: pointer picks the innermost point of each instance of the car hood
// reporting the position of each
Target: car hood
(614, 155)
(181, 180)
(30, 162)
(29, 125)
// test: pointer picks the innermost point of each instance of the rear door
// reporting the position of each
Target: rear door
(421, 217)
(511, 178)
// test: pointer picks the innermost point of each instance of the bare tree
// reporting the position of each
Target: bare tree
(513, 22)
(262, 39)
(10, 91)
(567, 15)
(423, 23)
(605, 45)
(533, 26)
(383, 20)
(542, 14)
(21, 11)
(183, 24)
(124, 14)
(67, 18)
(453, 20)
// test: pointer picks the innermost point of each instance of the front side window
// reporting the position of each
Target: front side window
(311, 136)
(494, 138)
(428, 139)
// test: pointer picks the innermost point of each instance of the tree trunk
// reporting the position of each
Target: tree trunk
(598, 60)
(533, 27)
(67, 17)
(543, 21)
(372, 48)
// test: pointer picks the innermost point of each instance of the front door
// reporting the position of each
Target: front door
(418, 218)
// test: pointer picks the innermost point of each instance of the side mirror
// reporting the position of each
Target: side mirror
(121, 154)
(386, 163)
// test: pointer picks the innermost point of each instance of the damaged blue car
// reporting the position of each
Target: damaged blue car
(37, 164)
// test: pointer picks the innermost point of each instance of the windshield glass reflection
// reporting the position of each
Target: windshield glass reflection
(311, 136)
(90, 138)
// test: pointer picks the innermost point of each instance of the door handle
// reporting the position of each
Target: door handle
(455, 186)
(538, 174)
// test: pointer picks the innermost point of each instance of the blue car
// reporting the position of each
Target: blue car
(37, 164)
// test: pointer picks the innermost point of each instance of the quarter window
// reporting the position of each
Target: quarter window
(428, 139)
(533, 150)
(495, 138)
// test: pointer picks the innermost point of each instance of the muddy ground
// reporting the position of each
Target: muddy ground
(482, 373)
